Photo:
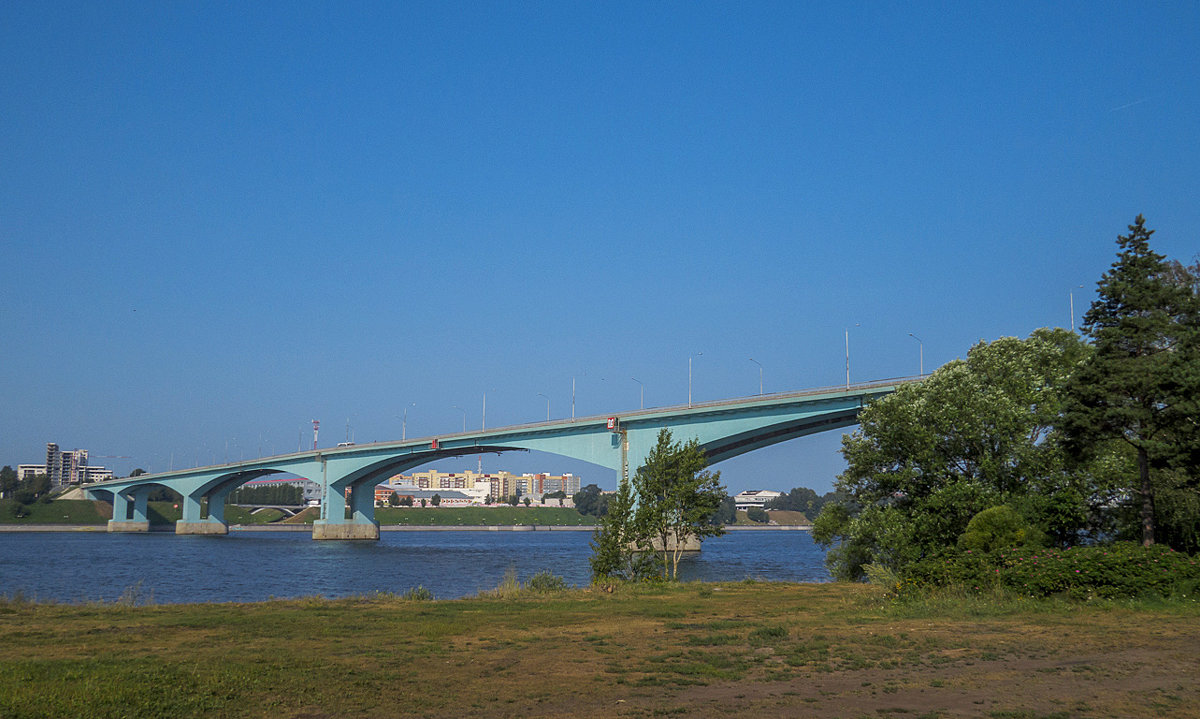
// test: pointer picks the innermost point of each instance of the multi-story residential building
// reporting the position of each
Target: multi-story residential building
(479, 486)
(63, 468)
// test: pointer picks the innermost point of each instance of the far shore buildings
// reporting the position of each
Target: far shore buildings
(754, 498)
(475, 488)
(64, 467)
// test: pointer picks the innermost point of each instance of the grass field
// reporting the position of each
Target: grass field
(721, 650)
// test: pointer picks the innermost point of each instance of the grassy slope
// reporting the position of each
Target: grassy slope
(755, 650)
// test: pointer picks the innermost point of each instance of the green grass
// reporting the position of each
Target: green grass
(63, 511)
(780, 649)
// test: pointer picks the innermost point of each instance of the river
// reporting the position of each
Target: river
(255, 566)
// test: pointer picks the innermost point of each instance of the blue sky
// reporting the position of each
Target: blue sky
(221, 221)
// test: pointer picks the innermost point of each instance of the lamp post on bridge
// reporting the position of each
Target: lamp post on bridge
(921, 366)
(547, 405)
(642, 400)
(856, 324)
(760, 372)
(404, 421)
(460, 409)
(697, 354)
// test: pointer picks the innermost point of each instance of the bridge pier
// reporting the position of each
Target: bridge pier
(129, 511)
(335, 525)
(192, 521)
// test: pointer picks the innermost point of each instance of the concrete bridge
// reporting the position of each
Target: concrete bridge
(348, 475)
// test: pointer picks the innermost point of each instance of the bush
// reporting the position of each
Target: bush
(998, 528)
(1124, 569)
(544, 582)
(418, 594)
(757, 514)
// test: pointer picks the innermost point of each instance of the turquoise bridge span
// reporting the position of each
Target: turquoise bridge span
(348, 475)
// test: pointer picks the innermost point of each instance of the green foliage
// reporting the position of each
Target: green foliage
(545, 583)
(418, 594)
(8, 480)
(590, 500)
(675, 499)
(998, 528)
(803, 499)
(757, 514)
(394, 500)
(976, 434)
(275, 493)
(435, 500)
(1123, 569)
(1141, 386)
(614, 541)
(726, 513)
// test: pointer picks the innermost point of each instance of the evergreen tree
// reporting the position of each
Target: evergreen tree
(1142, 384)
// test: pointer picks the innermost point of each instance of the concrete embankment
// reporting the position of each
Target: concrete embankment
(278, 527)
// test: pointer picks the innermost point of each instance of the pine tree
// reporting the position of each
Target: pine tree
(1140, 385)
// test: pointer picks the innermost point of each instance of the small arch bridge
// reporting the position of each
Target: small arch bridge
(348, 475)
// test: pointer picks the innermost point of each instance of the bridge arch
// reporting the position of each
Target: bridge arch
(347, 475)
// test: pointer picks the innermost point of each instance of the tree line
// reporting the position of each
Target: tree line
(1055, 440)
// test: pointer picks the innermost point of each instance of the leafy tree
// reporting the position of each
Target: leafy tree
(587, 500)
(726, 513)
(802, 499)
(676, 498)
(422, 501)
(394, 500)
(513, 500)
(977, 433)
(8, 480)
(137, 472)
(615, 539)
(406, 501)
(757, 514)
(528, 501)
(1141, 386)
(435, 500)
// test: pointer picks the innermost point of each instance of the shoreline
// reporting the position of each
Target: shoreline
(170, 529)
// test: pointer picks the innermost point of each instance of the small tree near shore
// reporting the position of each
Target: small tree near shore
(676, 498)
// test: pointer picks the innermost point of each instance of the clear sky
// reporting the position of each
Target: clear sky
(221, 221)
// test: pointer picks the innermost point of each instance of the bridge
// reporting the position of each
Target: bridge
(348, 475)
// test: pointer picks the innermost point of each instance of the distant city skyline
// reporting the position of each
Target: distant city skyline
(222, 222)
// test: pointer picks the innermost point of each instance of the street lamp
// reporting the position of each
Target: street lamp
(697, 354)
(856, 324)
(760, 369)
(642, 401)
(920, 342)
(1071, 295)
(460, 409)
(547, 406)
(404, 421)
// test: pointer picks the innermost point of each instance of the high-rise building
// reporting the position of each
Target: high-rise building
(63, 468)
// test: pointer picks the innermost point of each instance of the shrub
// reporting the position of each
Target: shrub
(544, 582)
(757, 514)
(418, 594)
(1124, 569)
(998, 528)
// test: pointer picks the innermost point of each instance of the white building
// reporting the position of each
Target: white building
(755, 498)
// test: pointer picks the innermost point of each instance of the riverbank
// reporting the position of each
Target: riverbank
(74, 515)
(746, 649)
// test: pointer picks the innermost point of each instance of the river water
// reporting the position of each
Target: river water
(255, 566)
